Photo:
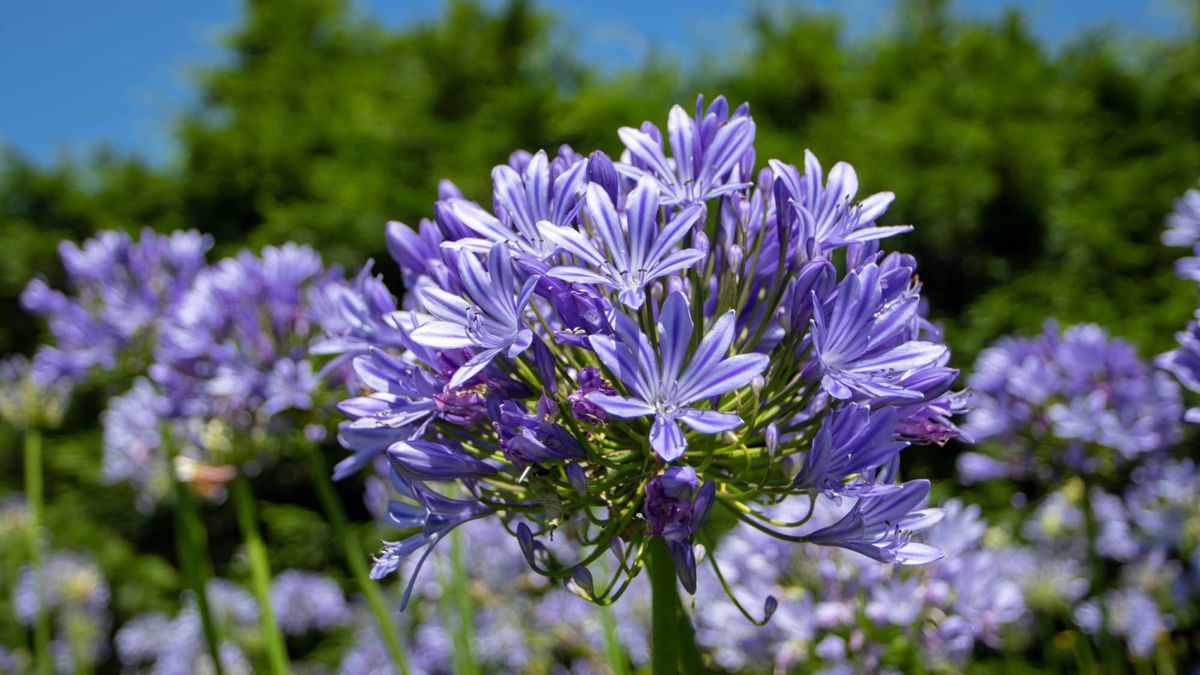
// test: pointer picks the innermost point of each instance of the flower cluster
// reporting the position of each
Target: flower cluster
(25, 401)
(615, 348)
(972, 596)
(154, 642)
(119, 290)
(76, 595)
(1067, 415)
(231, 361)
(1073, 401)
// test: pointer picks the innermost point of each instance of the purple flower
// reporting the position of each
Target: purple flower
(825, 213)
(1183, 224)
(708, 153)
(636, 254)
(308, 601)
(1077, 386)
(119, 291)
(492, 322)
(862, 343)
(676, 507)
(589, 380)
(434, 514)
(880, 526)
(663, 387)
(852, 441)
(532, 438)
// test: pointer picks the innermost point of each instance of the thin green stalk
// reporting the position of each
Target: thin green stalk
(260, 571)
(689, 654)
(35, 501)
(191, 544)
(466, 613)
(319, 473)
(614, 657)
(664, 655)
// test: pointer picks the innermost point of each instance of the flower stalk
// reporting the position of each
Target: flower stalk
(191, 543)
(260, 571)
(35, 500)
(352, 549)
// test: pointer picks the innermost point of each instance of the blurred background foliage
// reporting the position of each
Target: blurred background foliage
(1037, 179)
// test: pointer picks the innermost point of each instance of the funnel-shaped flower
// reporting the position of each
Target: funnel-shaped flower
(880, 526)
(660, 384)
(492, 321)
(637, 254)
(707, 153)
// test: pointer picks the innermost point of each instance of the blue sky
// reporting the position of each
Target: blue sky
(75, 74)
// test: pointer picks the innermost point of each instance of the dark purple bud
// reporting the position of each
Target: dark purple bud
(769, 608)
(544, 360)
(684, 557)
(525, 539)
(600, 170)
(577, 478)
(703, 505)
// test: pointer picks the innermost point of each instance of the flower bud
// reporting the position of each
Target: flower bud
(769, 608)
(736, 256)
(600, 170)
(581, 583)
(577, 478)
(700, 242)
(772, 439)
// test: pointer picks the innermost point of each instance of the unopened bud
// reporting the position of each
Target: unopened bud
(735, 258)
(577, 478)
(772, 439)
(769, 608)
(700, 242)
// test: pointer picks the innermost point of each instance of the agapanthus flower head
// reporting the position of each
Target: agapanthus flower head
(119, 289)
(1076, 390)
(176, 645)
(72, 590)
(615, 350)
(308, 601)
(233, 358)
(27, 400)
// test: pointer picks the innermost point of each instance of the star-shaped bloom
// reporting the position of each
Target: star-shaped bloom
(707, 153)
(634, 256)
(863, 347)
(542, 192)
(880, 526)
(662, 386)
(492, 321)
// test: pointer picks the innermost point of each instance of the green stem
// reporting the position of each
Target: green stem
(260, 571)
(664, 607)
(614, 657)
(191, 543)
(689, 654)
(355, 557)
(466, 614)
(35, 502)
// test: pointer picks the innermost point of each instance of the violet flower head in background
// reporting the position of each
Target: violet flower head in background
(118, 291)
